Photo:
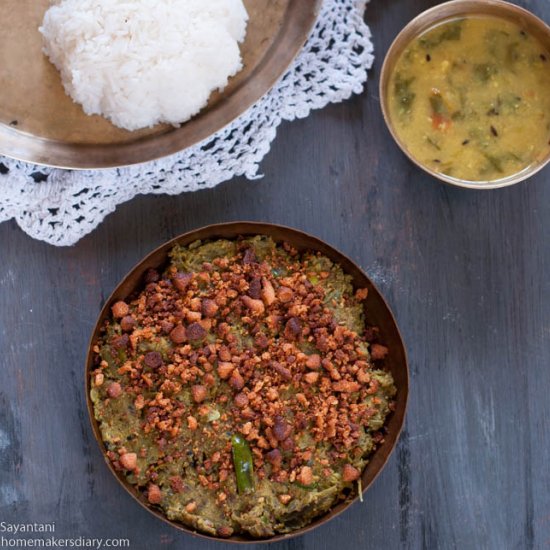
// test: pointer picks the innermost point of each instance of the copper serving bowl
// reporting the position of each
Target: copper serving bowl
(377, 313)
(427, 20)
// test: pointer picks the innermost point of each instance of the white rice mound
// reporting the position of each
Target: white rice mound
(141, 62)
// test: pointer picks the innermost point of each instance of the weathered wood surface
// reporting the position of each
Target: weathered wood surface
(466, 273)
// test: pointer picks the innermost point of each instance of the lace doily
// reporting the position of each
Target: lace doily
(60, 206)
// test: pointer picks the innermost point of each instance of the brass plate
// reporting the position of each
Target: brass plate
(377, 313)
(39, 123)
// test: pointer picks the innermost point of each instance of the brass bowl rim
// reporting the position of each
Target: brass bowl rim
(425, 20)
(235, 229)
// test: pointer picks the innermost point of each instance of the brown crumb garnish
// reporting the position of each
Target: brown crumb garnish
(178, 335)
(255, 306)
(209, 308)
(378, 351)
(153, 359)
(128, 461)
(114, 390)
(199, 393)
(285, 499)
(181, 281)
(241, 400)
(311, 377)
(350, 473)
(305, 477)
(236, 381)
(275, 458)
(361, 294)
(268, 292)
(262, 382)
(127, 323)
(154, 494)
(190, 507)
(195, 332)
(313, 362)
(281, 428)
(120, 310)
(224, 531)
(177, 484)
(225, 369)
(285, 294)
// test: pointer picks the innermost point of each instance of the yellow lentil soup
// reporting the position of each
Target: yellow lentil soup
(470, 98)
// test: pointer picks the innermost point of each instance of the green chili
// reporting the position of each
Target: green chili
(242, 460)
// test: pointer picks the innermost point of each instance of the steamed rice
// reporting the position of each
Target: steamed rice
(141, 62)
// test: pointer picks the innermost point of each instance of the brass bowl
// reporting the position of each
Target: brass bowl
(377, 313)
(438, 14)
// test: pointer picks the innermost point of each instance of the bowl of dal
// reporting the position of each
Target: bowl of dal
(464, 93)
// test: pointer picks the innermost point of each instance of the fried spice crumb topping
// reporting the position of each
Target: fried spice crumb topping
(245, 344)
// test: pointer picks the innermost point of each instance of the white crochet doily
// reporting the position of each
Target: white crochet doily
(60, 206)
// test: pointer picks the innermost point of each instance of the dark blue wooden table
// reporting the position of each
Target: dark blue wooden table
(466, 273)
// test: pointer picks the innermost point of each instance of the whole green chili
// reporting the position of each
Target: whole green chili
(242, 461)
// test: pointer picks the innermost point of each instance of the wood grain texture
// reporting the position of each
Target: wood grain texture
(465, 272)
